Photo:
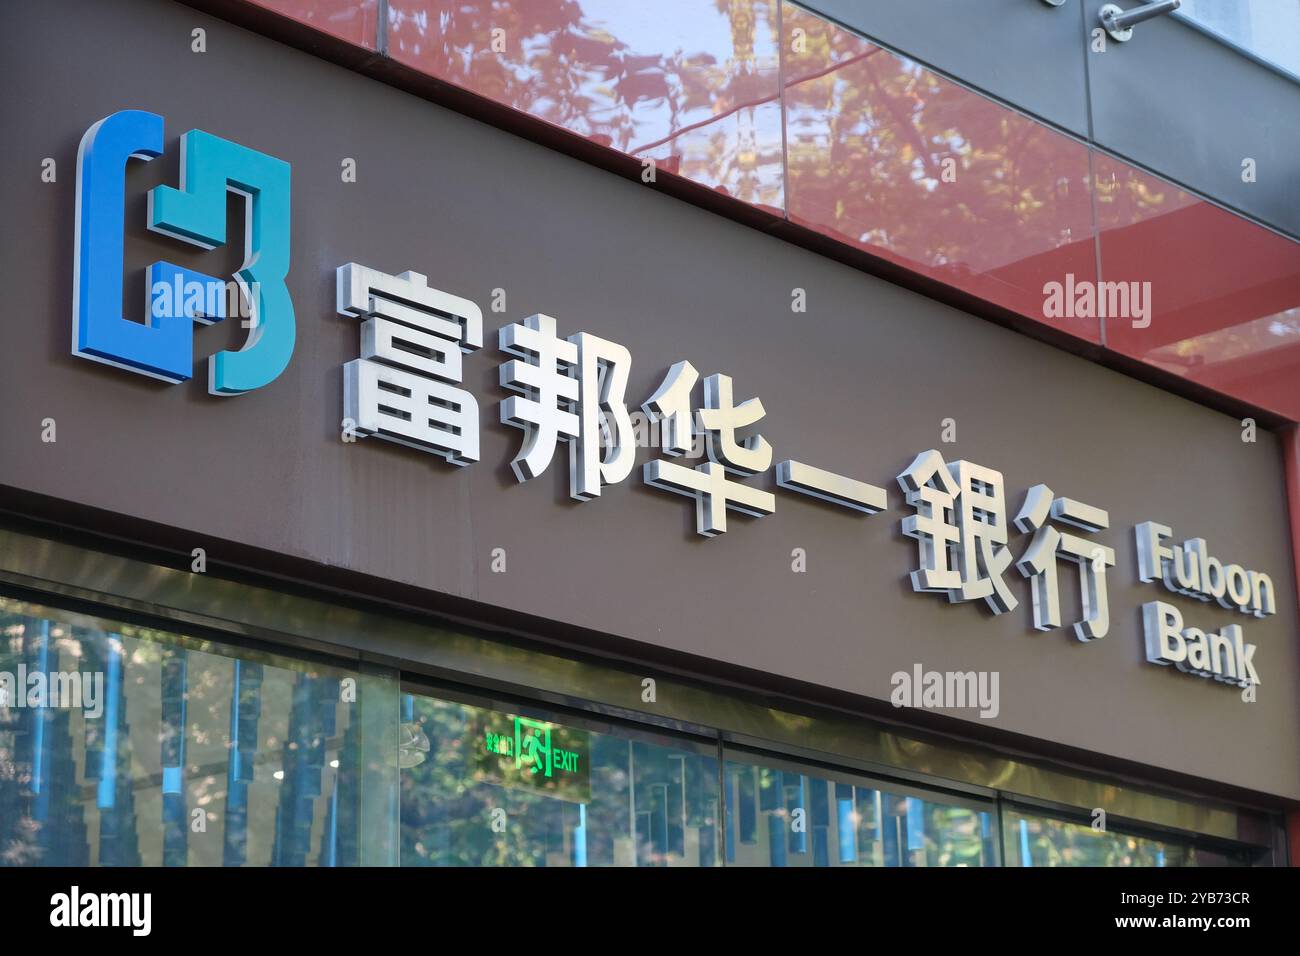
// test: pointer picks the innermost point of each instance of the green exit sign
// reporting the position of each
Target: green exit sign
(531, 754)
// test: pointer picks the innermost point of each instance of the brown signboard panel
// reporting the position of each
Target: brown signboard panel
(858, 384)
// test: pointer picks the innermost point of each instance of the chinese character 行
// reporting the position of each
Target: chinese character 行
(1048, 544)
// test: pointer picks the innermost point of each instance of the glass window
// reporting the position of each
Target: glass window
(487, 787)
(126, 745)
(129, 746)
(1268, 29)
(784, 815)
(1032, 840)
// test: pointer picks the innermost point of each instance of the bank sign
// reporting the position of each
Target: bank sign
(405, 386)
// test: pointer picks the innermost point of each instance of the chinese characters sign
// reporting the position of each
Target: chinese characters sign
(573, 390)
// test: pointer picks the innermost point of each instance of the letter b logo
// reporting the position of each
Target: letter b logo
(195, 214)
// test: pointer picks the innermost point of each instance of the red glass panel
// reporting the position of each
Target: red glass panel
(898, 161)
(353, 20)
(877, 152)
(1224, 292)
(693, 85)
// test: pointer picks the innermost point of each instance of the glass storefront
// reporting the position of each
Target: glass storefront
(126, 745)
(491, 788)
(780, 814)
(129, 746)
(1035, 840)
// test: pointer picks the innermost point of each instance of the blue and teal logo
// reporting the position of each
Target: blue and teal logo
(163, 345)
